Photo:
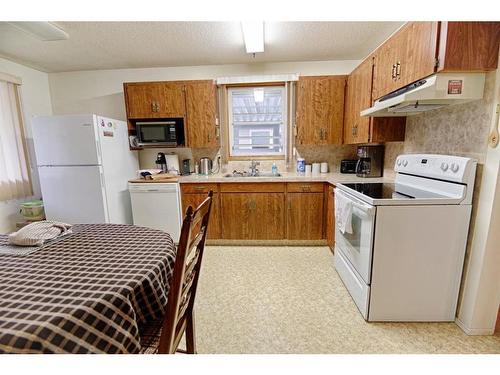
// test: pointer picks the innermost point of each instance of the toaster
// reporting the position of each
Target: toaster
(348, 166)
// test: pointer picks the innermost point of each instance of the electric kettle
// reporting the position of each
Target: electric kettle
(205, 166)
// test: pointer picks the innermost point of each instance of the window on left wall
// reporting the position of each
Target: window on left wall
(14, 170)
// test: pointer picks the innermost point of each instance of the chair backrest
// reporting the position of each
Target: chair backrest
(185, 276)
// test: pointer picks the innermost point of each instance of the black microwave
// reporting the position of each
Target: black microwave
(166, 133)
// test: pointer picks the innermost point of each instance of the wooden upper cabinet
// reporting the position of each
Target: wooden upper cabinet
(384, 60)
(358, 129)
(201, 112)
(155, 100)
(320, 110)
(358, 98)
(416, 52)
(471, 46)
(420, 49)
(170, 97)
(407, 56)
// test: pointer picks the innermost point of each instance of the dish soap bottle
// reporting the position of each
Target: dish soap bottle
(274, 169)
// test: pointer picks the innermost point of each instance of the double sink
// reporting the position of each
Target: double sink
(236, 174)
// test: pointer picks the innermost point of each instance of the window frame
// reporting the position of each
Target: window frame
(228, 126)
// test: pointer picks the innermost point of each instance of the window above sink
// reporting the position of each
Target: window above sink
(257, 121)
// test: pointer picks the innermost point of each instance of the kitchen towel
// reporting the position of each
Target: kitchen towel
(35, 234)
(343, 212)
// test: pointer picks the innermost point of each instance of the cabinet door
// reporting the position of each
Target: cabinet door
(305, 216)
(155, 100)
(138, 100)
(358, 98)
(384, 68)
(417, 50)
(320, 110)
(406, 57)
(330, 216)
(194, 200)
(201, 109)
(253, 216)
(170, 99)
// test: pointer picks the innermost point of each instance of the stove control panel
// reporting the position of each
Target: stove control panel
(442, 167)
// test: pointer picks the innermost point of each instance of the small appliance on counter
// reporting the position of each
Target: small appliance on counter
(161, 162)
(348, 166)
(167, 163)
(205, 166)
(370, 161)
(186, 167)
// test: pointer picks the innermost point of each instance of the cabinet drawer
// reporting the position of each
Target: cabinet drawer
(305, 187)
(253, 187)
(198, 188)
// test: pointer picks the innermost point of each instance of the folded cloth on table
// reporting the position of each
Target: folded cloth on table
(343, 213)
(35, 234)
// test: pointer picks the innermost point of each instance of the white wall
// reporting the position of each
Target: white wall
(35, 100)
(481, 289)
(101, 91)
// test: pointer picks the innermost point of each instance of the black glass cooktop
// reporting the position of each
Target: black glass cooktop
(391, 191)
(378, 190)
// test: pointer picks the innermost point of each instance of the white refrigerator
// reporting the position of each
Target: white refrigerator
(84, 164)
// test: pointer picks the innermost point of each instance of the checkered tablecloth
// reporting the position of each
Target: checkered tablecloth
(89, 293)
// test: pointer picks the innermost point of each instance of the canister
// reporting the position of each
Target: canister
(301, 165)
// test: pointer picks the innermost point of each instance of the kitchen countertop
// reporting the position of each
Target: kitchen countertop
(332, 178)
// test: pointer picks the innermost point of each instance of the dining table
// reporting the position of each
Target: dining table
(90, 292)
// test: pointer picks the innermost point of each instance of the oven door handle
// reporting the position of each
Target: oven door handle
(363, 207)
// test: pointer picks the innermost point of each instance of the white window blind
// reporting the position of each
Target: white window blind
(257, 118)
(14, 175)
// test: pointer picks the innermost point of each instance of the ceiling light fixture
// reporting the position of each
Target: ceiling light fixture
(253, 34)
(45, 31)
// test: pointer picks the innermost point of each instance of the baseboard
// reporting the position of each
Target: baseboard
(213, 242)
(474, 331)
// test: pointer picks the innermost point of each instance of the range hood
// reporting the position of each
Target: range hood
(436, 91)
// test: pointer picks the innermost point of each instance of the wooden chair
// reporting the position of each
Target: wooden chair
(163, 336)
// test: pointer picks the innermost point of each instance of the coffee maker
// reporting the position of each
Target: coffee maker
(370, 161)
(161, 162)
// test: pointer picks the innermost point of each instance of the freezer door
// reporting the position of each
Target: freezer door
(66, 140)
(74, 194)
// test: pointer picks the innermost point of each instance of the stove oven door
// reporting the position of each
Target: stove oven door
(357, 246)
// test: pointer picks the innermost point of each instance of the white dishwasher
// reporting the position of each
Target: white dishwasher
(158, 206)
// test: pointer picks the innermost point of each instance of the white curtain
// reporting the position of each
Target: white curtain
(14, 173)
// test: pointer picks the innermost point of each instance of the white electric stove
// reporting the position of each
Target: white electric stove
(403, 259)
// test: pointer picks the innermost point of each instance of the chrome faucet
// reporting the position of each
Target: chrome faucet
(253, 168)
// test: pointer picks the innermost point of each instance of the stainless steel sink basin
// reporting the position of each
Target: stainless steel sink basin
(245, 174)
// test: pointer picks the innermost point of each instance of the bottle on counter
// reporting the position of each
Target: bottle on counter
(301, 165)
(274, 169)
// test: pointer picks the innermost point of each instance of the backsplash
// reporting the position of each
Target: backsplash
(331, 154)
(456, 130)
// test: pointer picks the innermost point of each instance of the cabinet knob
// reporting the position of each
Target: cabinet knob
(398, 70)
(252, 205)
(393, 72)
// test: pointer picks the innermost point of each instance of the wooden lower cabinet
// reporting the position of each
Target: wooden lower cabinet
(194, 199)
(330, 215)
(253, 216)
(266, 210)
(305, 216)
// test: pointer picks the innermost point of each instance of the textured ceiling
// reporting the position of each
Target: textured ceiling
(112, 45)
